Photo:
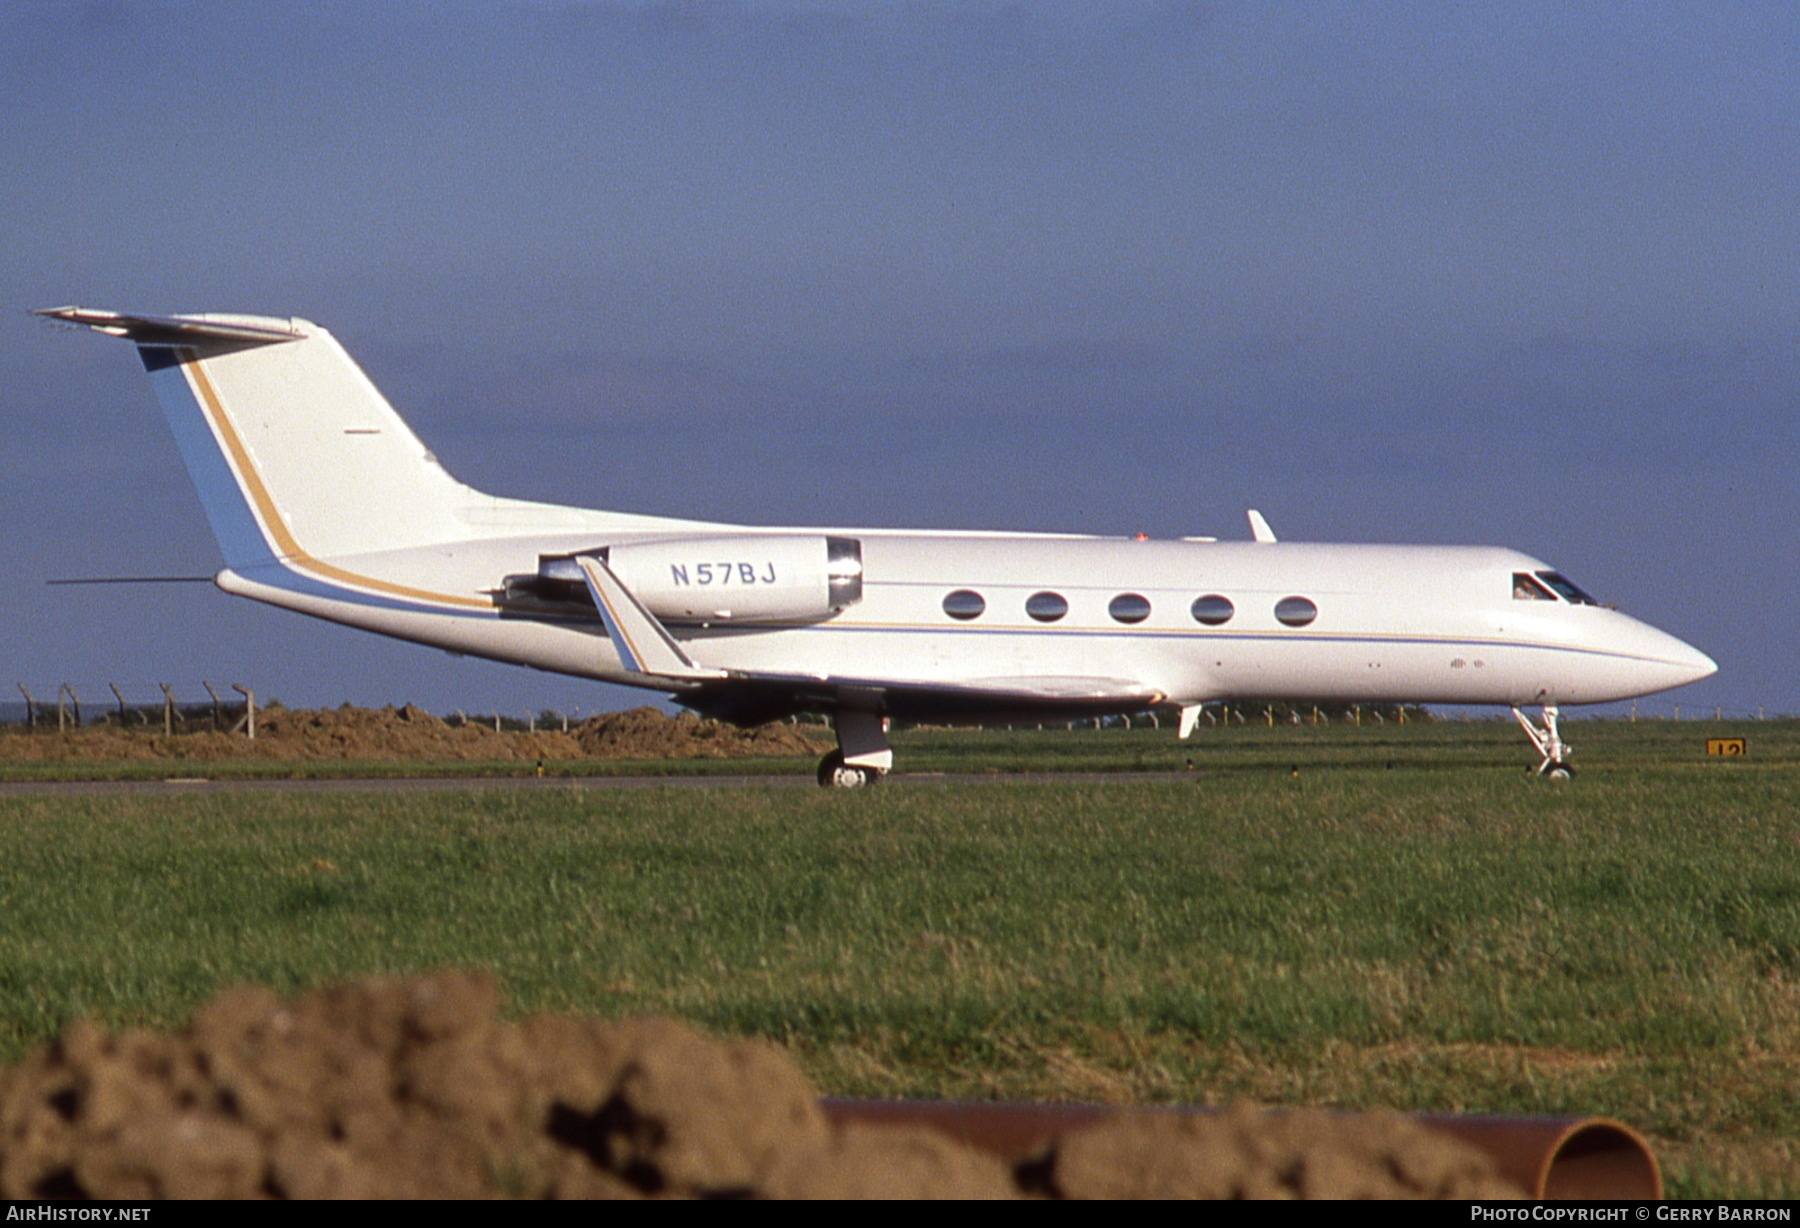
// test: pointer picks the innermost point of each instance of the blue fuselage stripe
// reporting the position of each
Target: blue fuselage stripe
(240, 537)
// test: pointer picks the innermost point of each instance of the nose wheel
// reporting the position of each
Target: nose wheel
(1548, 740)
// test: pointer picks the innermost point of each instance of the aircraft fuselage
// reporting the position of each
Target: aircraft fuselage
(1428, 624)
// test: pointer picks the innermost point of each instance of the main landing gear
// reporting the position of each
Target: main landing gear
(863, 755)
(1549, 744)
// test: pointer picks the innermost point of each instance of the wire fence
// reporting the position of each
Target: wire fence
(233, 707)
(230, 708)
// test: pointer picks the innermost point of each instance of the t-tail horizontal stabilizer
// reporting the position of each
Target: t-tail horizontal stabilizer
(642, 644)
(201, 332)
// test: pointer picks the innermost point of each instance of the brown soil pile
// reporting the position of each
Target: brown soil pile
(1246, 1152)
(417, 1088)
(411, 733)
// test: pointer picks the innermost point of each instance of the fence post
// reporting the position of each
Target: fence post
(249, 709)
(215, 699)
(74, 699)
(121, 699)
(30, 706)
(168, 710)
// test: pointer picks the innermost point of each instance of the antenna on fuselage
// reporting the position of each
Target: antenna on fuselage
(1259, 528)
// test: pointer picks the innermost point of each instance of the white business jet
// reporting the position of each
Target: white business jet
(325, 502)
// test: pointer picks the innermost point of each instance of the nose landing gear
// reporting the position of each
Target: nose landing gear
(1549, 743)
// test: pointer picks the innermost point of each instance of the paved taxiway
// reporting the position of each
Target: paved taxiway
(428, 784)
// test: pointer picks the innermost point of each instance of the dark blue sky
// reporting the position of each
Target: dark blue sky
(1522, 275)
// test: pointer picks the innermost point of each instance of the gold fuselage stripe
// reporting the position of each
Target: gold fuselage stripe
(264, 503)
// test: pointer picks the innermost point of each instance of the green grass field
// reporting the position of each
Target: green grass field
(1296, 921)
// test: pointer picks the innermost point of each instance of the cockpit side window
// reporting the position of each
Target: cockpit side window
(1527, 589)
(1569, 591)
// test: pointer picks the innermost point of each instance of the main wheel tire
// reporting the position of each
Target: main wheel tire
(1558, 771)
(834, 773)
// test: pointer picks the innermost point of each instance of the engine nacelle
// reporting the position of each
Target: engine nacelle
(735, 579)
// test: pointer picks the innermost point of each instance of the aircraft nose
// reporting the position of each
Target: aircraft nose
(1668, 662)
(1694, 664)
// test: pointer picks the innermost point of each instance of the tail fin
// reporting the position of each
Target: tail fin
(295, 452)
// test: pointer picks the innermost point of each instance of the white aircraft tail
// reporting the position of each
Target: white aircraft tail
(295, 452)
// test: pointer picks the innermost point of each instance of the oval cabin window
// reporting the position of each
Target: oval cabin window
(964, 604)
(1212, 610)
(1129, 608)
(1295, 611)
(1046, 607)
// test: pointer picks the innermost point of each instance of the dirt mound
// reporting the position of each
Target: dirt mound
(410, 733)
(1246, 1152)
(645, 733)
(417, 1088)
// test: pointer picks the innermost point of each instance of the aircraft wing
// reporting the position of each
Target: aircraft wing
(643, 645)
(750, 699)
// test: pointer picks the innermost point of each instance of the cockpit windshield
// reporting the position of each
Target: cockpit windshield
(1567, 590)
(1527, 589)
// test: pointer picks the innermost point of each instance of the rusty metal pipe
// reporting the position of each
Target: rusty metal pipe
(1548, 1157)
(1561, 1157)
